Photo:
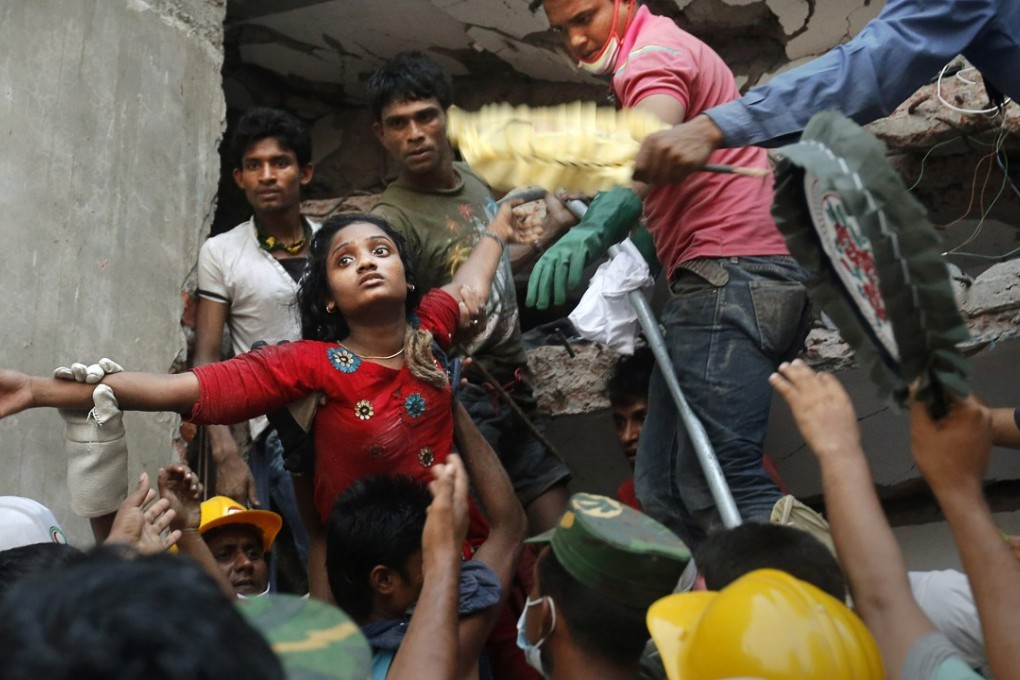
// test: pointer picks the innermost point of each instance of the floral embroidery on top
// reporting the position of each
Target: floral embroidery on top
(343, 359)
(414, 405)
(363, 409)
(426, 457)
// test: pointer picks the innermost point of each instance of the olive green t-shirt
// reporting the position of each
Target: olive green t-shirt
(442, 227)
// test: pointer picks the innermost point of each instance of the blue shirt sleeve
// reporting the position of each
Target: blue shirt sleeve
(867, 78)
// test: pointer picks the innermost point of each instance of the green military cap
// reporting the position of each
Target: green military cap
(616, 550)
(314, 640)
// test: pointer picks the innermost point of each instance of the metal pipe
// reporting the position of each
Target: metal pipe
(695, 430)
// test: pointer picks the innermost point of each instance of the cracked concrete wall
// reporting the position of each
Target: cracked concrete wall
(110, 115)
(314, 56)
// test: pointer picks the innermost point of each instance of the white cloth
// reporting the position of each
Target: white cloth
(946, 598)
(260, 294)
(97, 455)
(605, 314)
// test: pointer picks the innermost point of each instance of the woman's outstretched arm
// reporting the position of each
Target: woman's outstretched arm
(134, 391)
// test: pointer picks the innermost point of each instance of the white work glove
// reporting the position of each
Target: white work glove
(94, 440)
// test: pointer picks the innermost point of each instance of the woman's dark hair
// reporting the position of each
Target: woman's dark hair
(378, 520)
(314, 292)
(407, 77)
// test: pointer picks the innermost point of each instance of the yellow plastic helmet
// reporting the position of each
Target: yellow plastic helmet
(766, 624)
(221, 511)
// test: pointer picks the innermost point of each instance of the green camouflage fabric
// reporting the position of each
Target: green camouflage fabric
(314, 640)
(838, 175)
(616, 550)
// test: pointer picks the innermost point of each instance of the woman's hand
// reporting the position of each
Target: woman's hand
(508, 226)
(472, 311)
(15, 392)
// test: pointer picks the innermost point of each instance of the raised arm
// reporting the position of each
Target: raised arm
(135, 392)
(1006, 427)
(507, 530)
(180, 488)
(865, 544)
(430, 650)
(952, 455)
(480, 268)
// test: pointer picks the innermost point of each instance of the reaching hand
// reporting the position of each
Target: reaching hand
(15, 393)
(952, 452)
(472, 310)
(668, 156)
(233, 476)
(511, 228)
(142, 527)
(558, 218)
(531, 217)
(91, 373)
(447, 522)
(824, 413)
(608, 220)
(180, 488)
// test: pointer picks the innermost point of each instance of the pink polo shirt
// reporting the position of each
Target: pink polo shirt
(708, 214)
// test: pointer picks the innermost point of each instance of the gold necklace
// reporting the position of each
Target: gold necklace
(362, 356)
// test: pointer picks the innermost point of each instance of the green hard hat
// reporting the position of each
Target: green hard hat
(616, 550)
(314, 640)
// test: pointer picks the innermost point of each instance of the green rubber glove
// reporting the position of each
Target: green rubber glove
(608, 220)
(646, 246)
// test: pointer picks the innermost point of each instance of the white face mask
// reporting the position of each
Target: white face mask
(605, 60)
(533, 652)
(245, 597)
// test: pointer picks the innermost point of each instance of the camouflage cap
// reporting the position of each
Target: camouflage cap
(314, 640)
(616, 550)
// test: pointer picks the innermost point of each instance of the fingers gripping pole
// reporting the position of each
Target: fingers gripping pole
(695, 430)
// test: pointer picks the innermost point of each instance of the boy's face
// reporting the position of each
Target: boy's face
(414, 135)
(238, 553)
(583, 25)
(628, 420)
(406, 591)
(270, 176)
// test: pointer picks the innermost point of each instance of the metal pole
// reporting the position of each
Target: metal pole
(695, 430)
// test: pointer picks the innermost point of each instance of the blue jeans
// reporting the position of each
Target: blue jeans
(275, 490)
(725, 337)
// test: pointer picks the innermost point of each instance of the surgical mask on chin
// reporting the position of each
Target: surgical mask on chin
(533, 652)
(605, 60)
(247, 597)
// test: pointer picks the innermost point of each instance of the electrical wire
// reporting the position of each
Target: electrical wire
(985, 211)
(938, 93)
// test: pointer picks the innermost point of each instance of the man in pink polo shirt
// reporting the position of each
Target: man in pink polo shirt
(738, 306)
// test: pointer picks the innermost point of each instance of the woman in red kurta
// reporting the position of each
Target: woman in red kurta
(367, 349)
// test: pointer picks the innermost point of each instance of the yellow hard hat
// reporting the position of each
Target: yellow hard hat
(766, 624)
(221, 511)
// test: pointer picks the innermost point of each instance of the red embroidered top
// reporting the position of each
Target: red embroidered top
(374, 420)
